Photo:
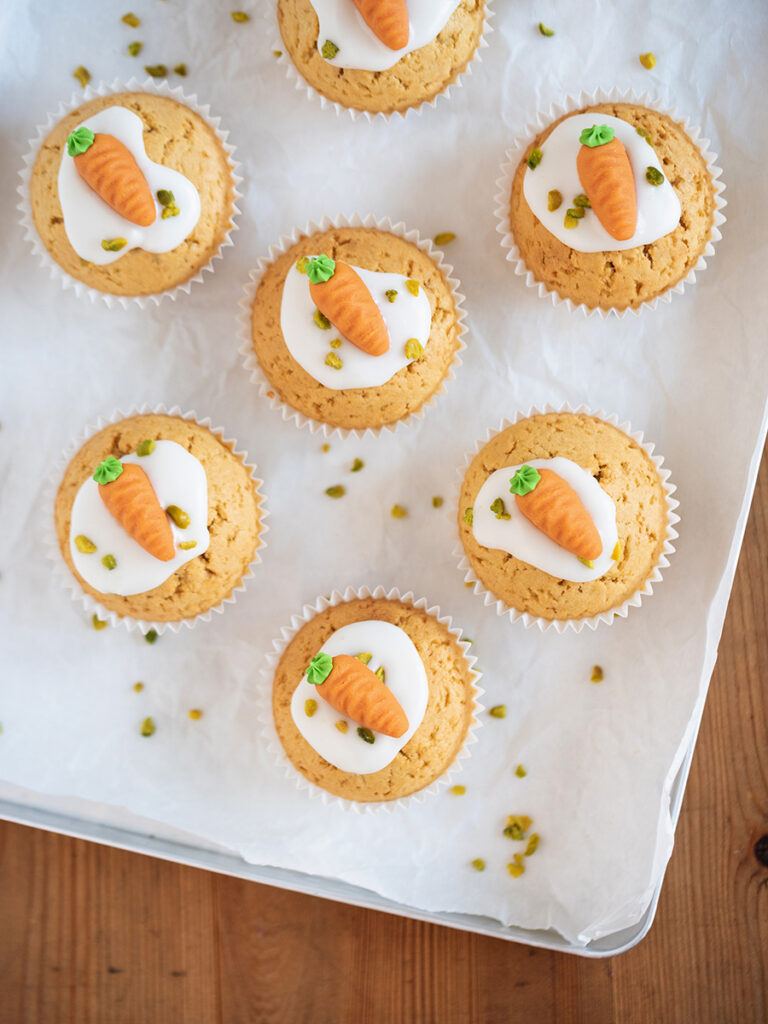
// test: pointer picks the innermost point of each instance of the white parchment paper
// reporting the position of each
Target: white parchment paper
(692, 376)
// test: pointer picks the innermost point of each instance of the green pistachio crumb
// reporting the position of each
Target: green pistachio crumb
(398, 512)
(469, 516)
(413, 349)
(109, 562)
(582, 200)
(337, 491)
(181, 69)
(478, 864)
(301, 264)
(412, 286)
(577, 212)
(329, 49)
(520, 772)
(134, 49)
(544, 30)
(617, 552)
(321, 321)
(554, 200)
(648, 60)
(516, 867)
(597, 674)
(586, 561)
(444, 237)
(98, 623)
(84, 544)
(498, 509)
(130, 19)
(187, 545)
(458, 790)
(498, 711)
(156, 70)
(170, 211)
(334, 361)
(366, 735)
(514, 831)
(534, 158)
(570, 222)
(522, 820)
(240, 16)
(147, 727)
(342, 726)
(336, 343)
(145, 447)
(195, 714)
(138, 687)
(325, 448)
(83, 75)
(357, 465)
(391, 294)
(533, 844)
(381, 673)
(113, 244)
(310, 707)
(654, 176)
(165, 197)
(277, 53)
(364, 656)
(179, 516)
(644, 134)
(437, 501)
(151, 636)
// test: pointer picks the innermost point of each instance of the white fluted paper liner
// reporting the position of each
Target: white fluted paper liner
(63, 575)
(149, 85)
(250, 360)
(302, 85)
(267, 723)
(610, 615)
(569, 105)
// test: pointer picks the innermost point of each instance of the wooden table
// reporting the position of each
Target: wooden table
(91, 935)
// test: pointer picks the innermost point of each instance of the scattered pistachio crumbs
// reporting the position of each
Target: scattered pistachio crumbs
(130, 19)
(516, 866)
(412, 286)
(597, 674)
(337, 491)
(179, 516)
(582, 200)
(444, 237)
(413, 349)
(398, 512)
(575, 211)
(654, 176)
(342, 726)
(336, 343)
(437, 501)
(497, 507)
(151, 636)
(381, 673)
(533, 844)
(83, 75)
(391, 294)
(145, 447)
(644, 134)
(138, 687)
(366, 735)
(195, 714)
(517, 825)
(570, 222)
(181, 69)
(364, 656)
(648, 60)
(109, 562)
(534, 158)
(147, 727)
(301, 264)
(544, 30)
(586, 561)
(98, 623)
(277, 53)
(469, 516)
(478, 864)
(156, 70)
(187, 545)
(520, 772)
(134, 49)
(113, 244)
(617, 551)
(310, 707)
(84, 544)
(458, 790)
(329, 49)
(321, 321)
(167, 200)
(325, 448)
(240, 16)
(357, 465)
(554, 200)
(498, 711)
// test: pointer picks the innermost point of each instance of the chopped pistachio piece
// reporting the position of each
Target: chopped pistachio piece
(534, 158)
(533, 844)
(412, 286)
(597, 674)
(181, 69)
(586, 561)
(516, 867)
(357, 465)
(444, 237)
(582, 200)
(575, 211)
(134, 49)
(617, 552)
(83, 75)
(391, 294)
(519, 819)
(342, 726)
(413, 349)
(398, 512)
(469, 516)
(498, 711)
(329, 49)
(321, 321)
(381, 673)
(478, 864)
(458, 790)
(156, 70)
(325, 448)
(648, 60)
(99, 623)
(644, 134)
(187, 545)
(498, 509)
(147, 727)
(654, 176)
(170, 211)
(335, 362)
(310, 707)
(301, 264)
(554, 200)
(138, 687)
(277, 53)
(514, 831)
(84, 544)
(336, 343)
(570, 222)
(240, 16)
(544, 30)
(520, 772)
(437, 501)
(165, 197)
(151, 636)
(179, 516)
(130, 19)
(113, 244)
(109, 562)
(195, 714)
(366, 735)
(337, 491)
(145, 447)
(364, 656)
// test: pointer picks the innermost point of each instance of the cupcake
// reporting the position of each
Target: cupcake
(373, 698)
(565, 518)
(381, 56)
(611, 206)
(158, 519)
(132, 193)
(353, 327)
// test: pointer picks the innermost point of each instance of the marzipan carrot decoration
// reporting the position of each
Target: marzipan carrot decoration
(341, 296)
(108, 167)
(606, 176)
(350, 687)
(387, 19)
(129, 496)
(555, 508)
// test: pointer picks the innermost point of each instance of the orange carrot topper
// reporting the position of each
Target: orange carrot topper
(341, 296)
(387, 19)
(552, 505)
(350, 687)
(606, 176)
(129, 496)
(108, 167)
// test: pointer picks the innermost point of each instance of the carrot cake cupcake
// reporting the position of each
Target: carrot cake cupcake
(612, 205)
(563, 516)
(157, 518)
(381, 56)
(132, 193)
(373, 699)
(355, 327)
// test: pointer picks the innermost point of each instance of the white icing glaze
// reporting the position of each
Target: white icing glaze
(88, 220)
(342, 24)
(178, 478)
(658, 208)
(409, 316)
(521, 538)
(391, 648)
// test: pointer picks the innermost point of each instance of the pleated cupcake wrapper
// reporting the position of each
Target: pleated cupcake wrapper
(25, 209)
(266, 719)
(250, 360)
(61, 571)
(302, 85)
(609, 616)
(568, 106)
